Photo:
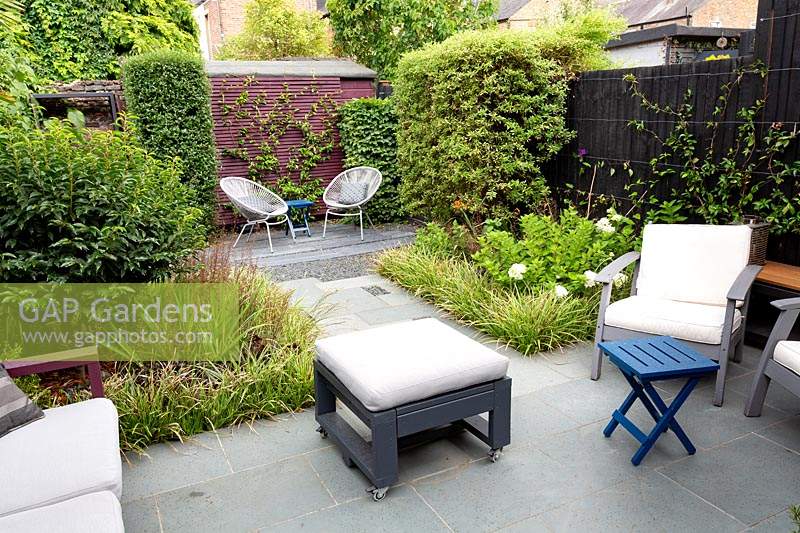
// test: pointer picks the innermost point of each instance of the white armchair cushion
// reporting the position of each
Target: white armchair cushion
(787, 353)
(692, 262)
(98, 512)
(682, 320)
(408, 361)
(72, 451)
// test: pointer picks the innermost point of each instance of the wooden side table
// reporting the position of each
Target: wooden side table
(643, 361)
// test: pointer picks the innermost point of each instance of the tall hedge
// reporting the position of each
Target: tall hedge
(168, 98)
(479, 114)
(368, 129)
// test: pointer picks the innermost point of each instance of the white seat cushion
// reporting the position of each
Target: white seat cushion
(692, 262)
(401, 363)
(687, 321)
(72, 451)
(787, 353)
(98, 512)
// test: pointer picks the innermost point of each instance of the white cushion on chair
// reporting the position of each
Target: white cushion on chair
(408, 361)
(682, 320)
(692, 262)
(98, 512)
(73, 450)
(787, 353)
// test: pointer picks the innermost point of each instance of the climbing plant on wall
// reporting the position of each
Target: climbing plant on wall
(261, 124)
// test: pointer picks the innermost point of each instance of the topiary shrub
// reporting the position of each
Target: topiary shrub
(479, 114)
(90, 206)
(168, 96)
(368, 129)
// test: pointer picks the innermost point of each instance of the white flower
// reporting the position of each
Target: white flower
(620, 279)
(561, 291)
(517, 270)
(590, 279)
(614, 216)
(605, 225)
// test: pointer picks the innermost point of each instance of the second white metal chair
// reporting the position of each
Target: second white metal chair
(350, 190)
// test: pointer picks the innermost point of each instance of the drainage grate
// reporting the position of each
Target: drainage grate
(376, 290)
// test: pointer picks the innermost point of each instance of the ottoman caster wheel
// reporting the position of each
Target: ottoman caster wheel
(348, 462)
(322, 432)
(494, 454)
(378, 494)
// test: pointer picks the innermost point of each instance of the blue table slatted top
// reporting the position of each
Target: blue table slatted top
(656, 358)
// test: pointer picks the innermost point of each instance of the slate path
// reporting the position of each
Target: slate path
(559, 474)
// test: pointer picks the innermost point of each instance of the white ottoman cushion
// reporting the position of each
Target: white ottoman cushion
(787, 353)
(72, 451)
(98, 512)
(682, 320)
(401, 363)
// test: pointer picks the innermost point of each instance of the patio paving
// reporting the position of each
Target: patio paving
(559, 474)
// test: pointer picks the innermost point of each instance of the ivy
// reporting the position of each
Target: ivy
(260, 124)
(718, 184)
(368, 131)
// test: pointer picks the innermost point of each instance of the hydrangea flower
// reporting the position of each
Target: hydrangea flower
(605, 225)
(516, 271)
(561, 291)
(620, 279)
(590, 279)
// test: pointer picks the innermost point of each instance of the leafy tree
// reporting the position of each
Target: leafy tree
(141, 26)
(274, 29)
(377, 32)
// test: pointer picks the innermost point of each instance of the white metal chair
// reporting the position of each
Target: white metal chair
(258, 204)
(348, 191)
(691, 282)
(780, 360)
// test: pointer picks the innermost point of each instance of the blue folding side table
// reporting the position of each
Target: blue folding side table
(643, 361)
(302, 207)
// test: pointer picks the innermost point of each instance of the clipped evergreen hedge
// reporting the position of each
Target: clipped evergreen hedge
(168, 98)
(368, 128)
(478, 116)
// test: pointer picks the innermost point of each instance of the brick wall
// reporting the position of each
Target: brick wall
(727, 14)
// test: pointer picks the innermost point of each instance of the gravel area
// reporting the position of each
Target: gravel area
(351, 266)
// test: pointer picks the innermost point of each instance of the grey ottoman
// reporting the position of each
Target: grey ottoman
(402, 380)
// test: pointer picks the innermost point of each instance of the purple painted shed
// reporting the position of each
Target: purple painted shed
(265, 81)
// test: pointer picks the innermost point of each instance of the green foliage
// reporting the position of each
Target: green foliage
(16, 81)
(794, 512)
(10, 14)
(528, 320)
(275, 29)
(479, 114)
(377, 34)
(259, 124)
(752, 177)
(368, 136)
(556, 252)
(577, 43)
(168, 96)
(83, 39)
(89, 206)
(163, 401)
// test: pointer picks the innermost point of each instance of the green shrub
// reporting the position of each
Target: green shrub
(479, 114)
(168, 95)
(89, 206)
(368, 130)
(554, 252)
(528, 320)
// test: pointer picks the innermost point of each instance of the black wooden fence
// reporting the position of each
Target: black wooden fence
(602, 106)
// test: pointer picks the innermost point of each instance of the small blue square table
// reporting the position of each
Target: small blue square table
(643, 361)
(302, 207)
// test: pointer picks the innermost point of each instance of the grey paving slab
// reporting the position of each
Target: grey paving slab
(353, 301)
(785, 433)
(584, 400)
(141, 516)
(336, 325)
(530, 374)
(399, 313)
(777, 396)
(269, 441)
(485, 496)
(572, 361)
(533, 524)
(404, 511)
(647, 503)
(358, 282)
(244, 501)
(172, 465)
(779, 523)
(305, 292)
(750, 478)
(531, 418)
